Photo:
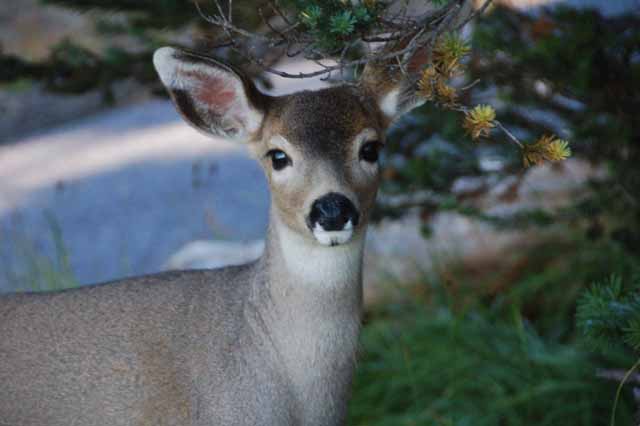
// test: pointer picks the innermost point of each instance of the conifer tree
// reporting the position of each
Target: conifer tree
(608, 316)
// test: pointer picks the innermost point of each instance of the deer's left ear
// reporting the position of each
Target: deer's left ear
(393, 89)
(210, 95)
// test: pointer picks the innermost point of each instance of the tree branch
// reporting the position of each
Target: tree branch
(294, 39)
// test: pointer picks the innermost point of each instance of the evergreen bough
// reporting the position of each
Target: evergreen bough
(608, 313)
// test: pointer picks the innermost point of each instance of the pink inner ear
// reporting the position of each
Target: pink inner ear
(215, 91)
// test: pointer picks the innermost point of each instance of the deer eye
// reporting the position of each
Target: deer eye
(370, 151)
(279, 159)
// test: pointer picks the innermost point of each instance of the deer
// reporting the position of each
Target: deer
(271, 342)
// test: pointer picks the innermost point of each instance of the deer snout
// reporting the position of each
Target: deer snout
(332, 219)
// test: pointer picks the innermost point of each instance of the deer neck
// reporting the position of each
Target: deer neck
(314, 307)
(299, 267)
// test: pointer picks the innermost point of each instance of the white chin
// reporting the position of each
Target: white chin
(333, 238)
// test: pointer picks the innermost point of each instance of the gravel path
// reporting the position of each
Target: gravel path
(126, 189)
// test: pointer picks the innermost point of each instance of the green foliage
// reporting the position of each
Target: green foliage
(632, 330)
(312, 15)
(336, 22)
(608, 316)
(581, 56)
(343, 23)
(424, 364)
(499, 347)
(608, 313)
(576, 66)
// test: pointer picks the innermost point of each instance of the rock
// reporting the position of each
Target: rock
(215, 254)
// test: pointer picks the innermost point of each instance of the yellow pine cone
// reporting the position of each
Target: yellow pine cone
(446, 94)
(450, 68)
(448, 53)
(479, 121)
(427, 81)
(547, 148)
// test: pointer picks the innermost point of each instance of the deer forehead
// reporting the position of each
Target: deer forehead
(324, 123)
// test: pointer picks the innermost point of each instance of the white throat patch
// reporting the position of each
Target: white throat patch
(333, 238)
(319, 264)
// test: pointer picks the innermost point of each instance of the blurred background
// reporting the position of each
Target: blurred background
(495, 294)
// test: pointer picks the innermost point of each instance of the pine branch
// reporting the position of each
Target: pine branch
(609, 314)
(300, 34)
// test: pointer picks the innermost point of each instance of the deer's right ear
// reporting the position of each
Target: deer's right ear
(210, 95)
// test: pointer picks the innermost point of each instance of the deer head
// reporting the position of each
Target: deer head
(319, 149)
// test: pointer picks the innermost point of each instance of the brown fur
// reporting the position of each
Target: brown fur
(268, 343)
(321, 127)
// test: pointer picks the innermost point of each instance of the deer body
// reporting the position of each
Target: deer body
(272, 342)
(154, 351)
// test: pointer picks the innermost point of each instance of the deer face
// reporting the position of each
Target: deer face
(319, 150)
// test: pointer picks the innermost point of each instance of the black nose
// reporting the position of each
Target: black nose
(332, 212)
